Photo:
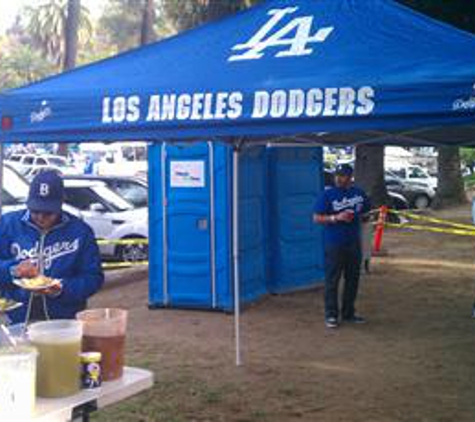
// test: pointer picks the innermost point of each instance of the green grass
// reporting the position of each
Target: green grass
(469, 181)
(164, 402)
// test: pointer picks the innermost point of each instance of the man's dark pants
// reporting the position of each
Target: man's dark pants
(342, 260)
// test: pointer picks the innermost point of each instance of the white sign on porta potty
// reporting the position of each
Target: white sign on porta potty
(187, 174)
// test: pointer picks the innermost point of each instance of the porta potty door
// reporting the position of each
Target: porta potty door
(183, 228)
(296, 243)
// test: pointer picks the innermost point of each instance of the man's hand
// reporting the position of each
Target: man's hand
(26, 269)
(345, 216)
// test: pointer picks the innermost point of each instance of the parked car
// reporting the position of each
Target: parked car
(14, 191)
(24, 163)
(414, 174)
(419, 195)
(110, 216)
(397, 201)
(118, 158)
(133, 189)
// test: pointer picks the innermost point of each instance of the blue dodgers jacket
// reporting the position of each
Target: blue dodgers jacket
(68, 252)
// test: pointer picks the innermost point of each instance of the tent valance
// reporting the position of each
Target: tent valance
(283, 67)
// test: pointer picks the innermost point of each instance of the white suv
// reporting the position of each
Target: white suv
(25, 163)
(414, 174)
(109, 215)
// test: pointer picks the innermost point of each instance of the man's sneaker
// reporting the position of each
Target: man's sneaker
(331, 322)
(355, 319)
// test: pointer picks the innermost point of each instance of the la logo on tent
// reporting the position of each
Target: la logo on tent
(269, 35)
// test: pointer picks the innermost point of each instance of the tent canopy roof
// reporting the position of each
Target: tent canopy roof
(280, 68)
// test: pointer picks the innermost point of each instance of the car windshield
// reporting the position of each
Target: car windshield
(135, 193)
(57, 161)
(418, 173)
(116, 202)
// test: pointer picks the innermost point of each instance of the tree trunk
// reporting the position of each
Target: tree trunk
(218, 9)
(369, 172)
(147, 32)
(450, 189)
(71, 34)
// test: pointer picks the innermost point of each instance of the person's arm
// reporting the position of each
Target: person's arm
(343, 216)
(322, 215)
(7, 261)
(89, 278)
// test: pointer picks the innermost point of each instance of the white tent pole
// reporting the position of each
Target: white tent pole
(212, 224)
(237, 304)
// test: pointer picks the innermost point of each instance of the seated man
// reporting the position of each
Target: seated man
(44, 240)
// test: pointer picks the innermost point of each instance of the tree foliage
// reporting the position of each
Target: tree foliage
(46, 24)
(185, 15)
(22, 65)
(122, 23)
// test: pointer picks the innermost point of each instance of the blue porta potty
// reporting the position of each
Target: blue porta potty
(191, 223)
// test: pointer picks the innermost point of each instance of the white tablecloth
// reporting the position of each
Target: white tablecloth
(134, 381)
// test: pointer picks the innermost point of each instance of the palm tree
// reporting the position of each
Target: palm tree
(147, 32)
(47, 25)
(71, 34)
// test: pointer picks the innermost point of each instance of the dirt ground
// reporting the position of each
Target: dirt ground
(413, 361)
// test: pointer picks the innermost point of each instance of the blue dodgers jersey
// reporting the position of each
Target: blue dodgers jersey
(335, 200)
(70, 253)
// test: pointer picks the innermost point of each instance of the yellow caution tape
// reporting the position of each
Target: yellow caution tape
(431, 229)
(434, 220)
(123, 264)
(122, 242)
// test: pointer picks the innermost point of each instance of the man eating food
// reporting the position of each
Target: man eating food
(45, 246)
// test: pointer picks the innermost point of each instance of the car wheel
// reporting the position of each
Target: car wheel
(421, 202)
(132, 253)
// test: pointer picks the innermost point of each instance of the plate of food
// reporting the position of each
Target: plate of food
(37, 283)
(7, 305)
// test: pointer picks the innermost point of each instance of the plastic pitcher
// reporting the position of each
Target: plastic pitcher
(104, 332)
(59, 347)
(17, 383)
(19, 333)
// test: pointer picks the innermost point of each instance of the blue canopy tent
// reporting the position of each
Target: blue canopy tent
(326, 71)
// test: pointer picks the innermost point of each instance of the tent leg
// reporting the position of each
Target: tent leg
(237, 304)
(163, 155)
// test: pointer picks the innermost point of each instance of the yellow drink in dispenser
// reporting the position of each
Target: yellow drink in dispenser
(59, 347)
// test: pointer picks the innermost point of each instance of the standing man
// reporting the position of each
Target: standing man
(43, 240)
(340, 209)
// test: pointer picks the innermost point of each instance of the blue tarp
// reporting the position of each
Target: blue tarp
(284, 66)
